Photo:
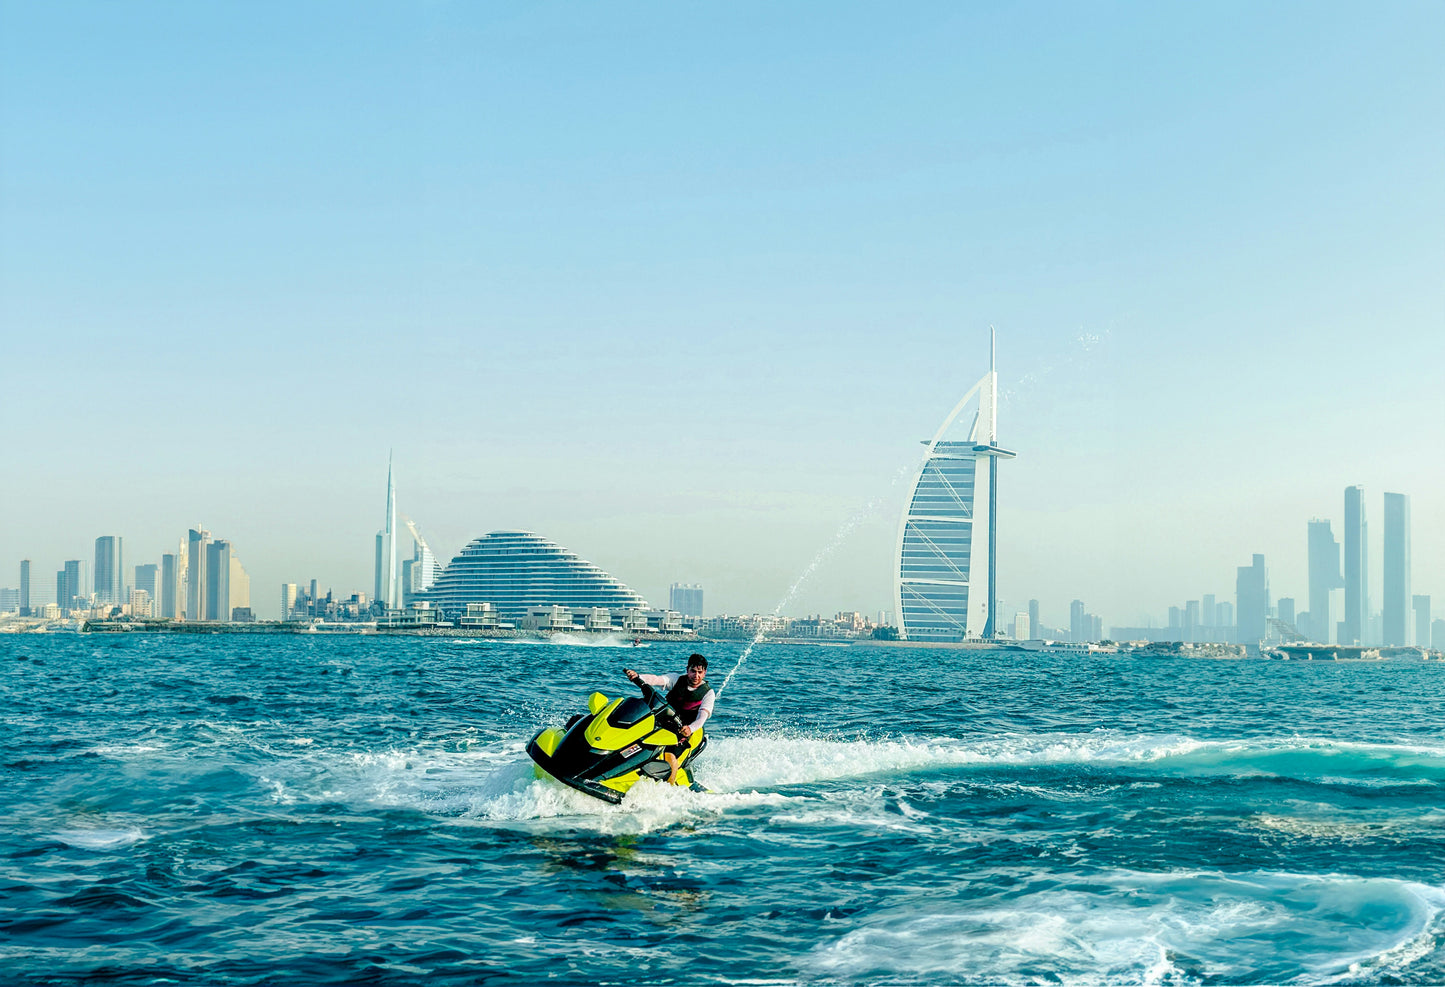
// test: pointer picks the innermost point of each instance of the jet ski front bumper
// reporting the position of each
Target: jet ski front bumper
(544, 761)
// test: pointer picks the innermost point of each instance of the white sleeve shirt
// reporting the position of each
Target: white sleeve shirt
(671, 679)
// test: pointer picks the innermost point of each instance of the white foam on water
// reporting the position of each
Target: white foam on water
(733, 763)
(434, 780)
(850, 817)
(123, 750)
(1321, 823)
(492, 786)
(498, 784)
(1354, 781)
(595, 641)
(520, 797)
(1394, 962)
(580, 641)
(1149, 928)
(98, 839)
(781, 759)
(494, 782)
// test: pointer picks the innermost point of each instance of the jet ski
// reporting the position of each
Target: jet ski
(605, 751)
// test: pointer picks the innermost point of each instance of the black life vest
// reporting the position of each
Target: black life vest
(687, 701)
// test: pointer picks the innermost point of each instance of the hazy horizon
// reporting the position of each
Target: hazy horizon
(682, 290)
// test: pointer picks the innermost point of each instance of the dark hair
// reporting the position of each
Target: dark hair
(696, 659)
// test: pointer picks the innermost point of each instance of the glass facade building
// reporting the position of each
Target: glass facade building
(935, 560)
(109, 580)
(514, 570)
(1397, 570)
(945, 583)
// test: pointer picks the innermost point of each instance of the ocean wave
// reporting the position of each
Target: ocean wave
(1321, 823)
(491, 785)
(98, 839)
(495, 781)
(772, 760)
(582, 641)
(1137, 927)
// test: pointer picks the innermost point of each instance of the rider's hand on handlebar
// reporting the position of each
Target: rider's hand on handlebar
(631, 675)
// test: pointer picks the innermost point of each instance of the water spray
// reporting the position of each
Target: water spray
(844, 530)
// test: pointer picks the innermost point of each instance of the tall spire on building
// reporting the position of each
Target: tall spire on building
(391, 600)
(992, 386)
(992, 451)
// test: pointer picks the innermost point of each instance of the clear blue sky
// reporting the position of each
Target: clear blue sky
(681, 286)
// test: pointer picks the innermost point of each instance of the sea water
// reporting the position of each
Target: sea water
(231, 809)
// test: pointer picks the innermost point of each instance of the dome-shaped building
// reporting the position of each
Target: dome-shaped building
(514, 570)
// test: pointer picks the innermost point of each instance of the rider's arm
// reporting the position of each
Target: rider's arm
(703, 711)
(665, 681)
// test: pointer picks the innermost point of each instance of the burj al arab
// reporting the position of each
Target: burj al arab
(946, 579)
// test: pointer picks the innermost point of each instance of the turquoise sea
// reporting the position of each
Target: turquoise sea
(359, 810)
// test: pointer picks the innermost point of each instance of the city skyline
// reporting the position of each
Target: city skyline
(1254, 614)
(688, 312)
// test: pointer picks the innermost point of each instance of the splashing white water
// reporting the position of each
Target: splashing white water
(98, 839)
(1130, 926)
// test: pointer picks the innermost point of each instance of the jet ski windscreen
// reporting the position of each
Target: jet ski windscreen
(629, 712)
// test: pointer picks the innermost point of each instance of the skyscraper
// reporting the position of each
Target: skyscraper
(288, 600)
(24, 587)
(1285, 609)
(390, 598)
(239, 587)
(685, 598)
(378, 587)
(1397, 569)
(197, 541)
(424, 566)
(946, 580)
(1034, 619)
(420, 571)
(1207, 615)
(1422, 621)
(1324, 566)
(170, 580)
(218, 580)
(1078, 625)
(1251, 592)
(1225, 615)
(147, 578)
(109, 570)
(1357, 585)
(70, 585)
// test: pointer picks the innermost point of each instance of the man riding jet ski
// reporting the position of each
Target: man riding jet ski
(605, 751)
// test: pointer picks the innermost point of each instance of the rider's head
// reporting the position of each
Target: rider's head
(696, 669)
(698, 661)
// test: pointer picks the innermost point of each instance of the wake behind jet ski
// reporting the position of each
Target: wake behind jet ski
(607, 750)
